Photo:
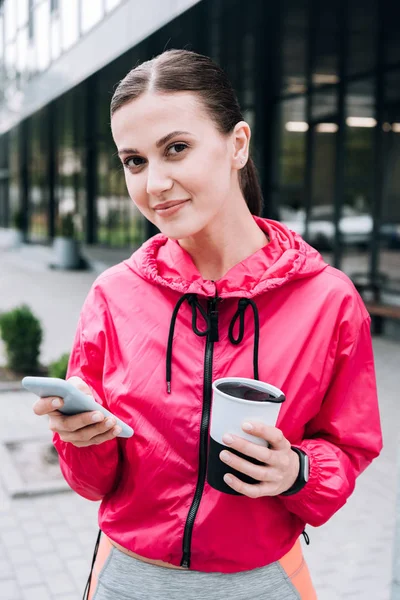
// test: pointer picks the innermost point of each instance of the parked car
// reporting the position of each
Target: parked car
(356, 227)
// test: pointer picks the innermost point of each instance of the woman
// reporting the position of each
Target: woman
(157, 329)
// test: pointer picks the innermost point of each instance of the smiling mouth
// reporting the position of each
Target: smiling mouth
(167, 205)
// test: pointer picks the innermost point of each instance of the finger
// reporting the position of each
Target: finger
(260, 453)
(258, 472)
(44, 406)
(255, 490)
(272, 435)
(72, 423)
(99, 439)
(87, 433)
(80, 384)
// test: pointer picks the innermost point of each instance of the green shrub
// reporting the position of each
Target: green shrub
(22, 334)
(59, 367)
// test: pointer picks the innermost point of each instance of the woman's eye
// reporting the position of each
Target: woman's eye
(134, 161)
(176, 149)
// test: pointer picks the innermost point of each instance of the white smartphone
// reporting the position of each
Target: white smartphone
(75, 401)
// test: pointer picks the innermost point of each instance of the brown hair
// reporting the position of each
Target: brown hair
(182, 70)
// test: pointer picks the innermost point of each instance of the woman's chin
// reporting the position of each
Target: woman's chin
(178, 231)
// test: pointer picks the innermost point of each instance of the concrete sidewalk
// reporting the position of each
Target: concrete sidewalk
(46, 542)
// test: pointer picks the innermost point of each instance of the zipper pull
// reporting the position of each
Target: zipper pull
(213, 335)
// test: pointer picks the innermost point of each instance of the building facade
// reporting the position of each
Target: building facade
(319, 83)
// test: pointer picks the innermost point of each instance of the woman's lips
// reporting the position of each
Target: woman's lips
(170, 210)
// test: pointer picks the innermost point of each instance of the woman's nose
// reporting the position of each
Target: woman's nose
(158, 181)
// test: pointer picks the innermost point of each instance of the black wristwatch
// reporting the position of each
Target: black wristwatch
(302, 477)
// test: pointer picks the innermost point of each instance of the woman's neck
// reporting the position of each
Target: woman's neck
(224, 244)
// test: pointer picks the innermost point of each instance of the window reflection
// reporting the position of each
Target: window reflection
(38, 189)
(69, 22)
(10, 16)
(55, 37)
(41, 27)
(22, 52)
(91, 13)
(292, 158)
(1, 36)
(110, 4)
(22, 12)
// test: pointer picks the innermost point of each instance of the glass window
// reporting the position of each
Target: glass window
(55, 37)
(292, 157)
(91, 13)
(14, 166)
(110, 4)
(326, 58)
(38, 189)
(10, 17)
(22, 51)
(324, 103)
(294, 47)
(42, 26)
(22, 12)
(1, 36)
(69, 22)
(356, 223)
(362, 32)
(10, 59)
(392, 38)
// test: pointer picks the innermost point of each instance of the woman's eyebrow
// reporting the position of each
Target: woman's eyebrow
(167, 137)
(160, 142)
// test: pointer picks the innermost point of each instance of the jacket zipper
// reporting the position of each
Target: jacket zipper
(212, 337)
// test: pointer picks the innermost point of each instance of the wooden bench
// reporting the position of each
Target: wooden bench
(379, 312)
(371, 294)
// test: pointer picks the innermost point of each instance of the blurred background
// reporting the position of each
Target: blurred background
(319, 83)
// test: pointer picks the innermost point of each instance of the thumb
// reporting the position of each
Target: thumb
(81, 385)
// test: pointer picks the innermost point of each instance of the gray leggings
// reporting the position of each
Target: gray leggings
(126, 578)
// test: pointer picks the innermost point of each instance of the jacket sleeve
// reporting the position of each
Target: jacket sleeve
(91, 471)
(344, 437)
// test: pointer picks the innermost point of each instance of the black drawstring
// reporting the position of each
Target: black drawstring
(195, 304)
(306, 537)
(242, 305)
(87, 588)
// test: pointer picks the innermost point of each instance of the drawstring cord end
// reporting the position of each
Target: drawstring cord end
(168, 387)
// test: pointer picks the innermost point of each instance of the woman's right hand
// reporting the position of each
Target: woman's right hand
(86, 429)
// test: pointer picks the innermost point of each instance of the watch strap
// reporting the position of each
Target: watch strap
(301, 477)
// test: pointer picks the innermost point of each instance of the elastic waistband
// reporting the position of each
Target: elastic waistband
(292, 564)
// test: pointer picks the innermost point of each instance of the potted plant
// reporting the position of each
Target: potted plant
(66, 246)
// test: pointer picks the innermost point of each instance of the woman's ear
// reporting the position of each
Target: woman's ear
(241, 140)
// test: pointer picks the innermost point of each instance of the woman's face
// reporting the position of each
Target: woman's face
(179, 169)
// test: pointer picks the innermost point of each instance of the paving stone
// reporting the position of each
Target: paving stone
(60, 583)
(6, 569)
(21, 555)
(49, 562)
(41, 544)
(28, 575)
(37, 592)
(9, 590)
(13, 538)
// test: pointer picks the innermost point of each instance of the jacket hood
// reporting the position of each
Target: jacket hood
(285, 258)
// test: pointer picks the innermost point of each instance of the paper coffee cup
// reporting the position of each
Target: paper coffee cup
(236, 400)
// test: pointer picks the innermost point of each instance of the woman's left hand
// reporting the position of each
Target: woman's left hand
(281, 463)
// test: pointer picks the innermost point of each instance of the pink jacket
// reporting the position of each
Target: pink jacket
(140, 326)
